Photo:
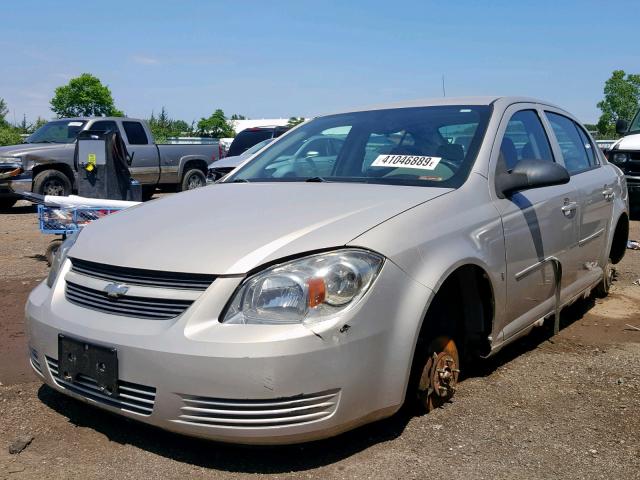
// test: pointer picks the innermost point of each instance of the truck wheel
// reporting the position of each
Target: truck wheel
(603, 288)
(193, 178)
(147, 192)
(52, 182)
(6, 203)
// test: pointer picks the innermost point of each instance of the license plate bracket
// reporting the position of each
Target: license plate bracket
(78, 358)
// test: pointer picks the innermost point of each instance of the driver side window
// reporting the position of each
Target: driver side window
(524, 138)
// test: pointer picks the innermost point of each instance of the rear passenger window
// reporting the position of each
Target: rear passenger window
(524, 138)
(135, 133)
(591, 153)
(103, 126)
(573, 146)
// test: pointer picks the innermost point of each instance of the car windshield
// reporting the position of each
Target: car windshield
(59, 131)
(257, 147)
(635, 124)
(430, 146)
(247, 139)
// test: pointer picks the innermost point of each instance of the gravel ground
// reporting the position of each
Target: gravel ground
(561, 407)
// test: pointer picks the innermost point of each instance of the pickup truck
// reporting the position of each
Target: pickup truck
(625, 154)
(45, 163)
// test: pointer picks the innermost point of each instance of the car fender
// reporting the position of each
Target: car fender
(460, 228)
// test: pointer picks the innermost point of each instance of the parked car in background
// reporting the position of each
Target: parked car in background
(331, 287)
(605, 145)
(44, 164)
(223, 166)
(321, 150)
(248, 137)
(625, 154)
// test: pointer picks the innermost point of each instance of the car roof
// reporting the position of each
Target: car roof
(86, 119)
(444, 101)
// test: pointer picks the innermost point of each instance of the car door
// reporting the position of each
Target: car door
(540, 225)
(596, 194)
(145, 164)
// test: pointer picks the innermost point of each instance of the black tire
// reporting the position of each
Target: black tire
(147, 192)
(52, 248)
(52, 182)
(192, 179)
(604, 287)
(7, 203)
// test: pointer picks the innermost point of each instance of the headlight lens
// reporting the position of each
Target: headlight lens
(59, 258)
(620, 157)
(16, 160)
(307, 290)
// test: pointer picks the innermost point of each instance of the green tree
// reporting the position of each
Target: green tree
(237, 116)
(621, 99)
(293, 121)
(84, 96)
(9, 135)
(38, 123)
(164, 127)
(215, 126)
(4, 110)
(24, 126)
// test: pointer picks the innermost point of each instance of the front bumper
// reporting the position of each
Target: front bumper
(16, 184)
(255, 384)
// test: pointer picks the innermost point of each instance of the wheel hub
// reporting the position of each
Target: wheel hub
(444, 375)
(53, 188)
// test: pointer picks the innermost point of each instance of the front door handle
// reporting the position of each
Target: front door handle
(569, 208)
(608, 194)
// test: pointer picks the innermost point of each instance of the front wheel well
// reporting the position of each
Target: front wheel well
(467, 297)
(620, 238)
(195, 163)
(61, 167)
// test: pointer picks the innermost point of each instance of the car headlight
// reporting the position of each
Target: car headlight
(10, 160)
(59, 258)
(307, 290)
(620, 157)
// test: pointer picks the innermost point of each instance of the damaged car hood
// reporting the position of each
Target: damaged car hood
(233, 228)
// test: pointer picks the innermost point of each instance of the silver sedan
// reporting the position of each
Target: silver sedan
(308, 294)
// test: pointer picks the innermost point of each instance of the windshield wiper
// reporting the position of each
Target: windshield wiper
(316, 180)
(239, 180)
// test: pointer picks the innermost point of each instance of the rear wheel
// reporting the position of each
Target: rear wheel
(609, 273)
(193, 179)
(147, 192)
(52, 182)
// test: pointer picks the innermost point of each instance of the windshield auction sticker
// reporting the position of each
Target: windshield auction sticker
(407, 161)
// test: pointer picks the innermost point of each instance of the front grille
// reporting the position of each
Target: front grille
(281, 412)
(129, 306)
(132, 397)
(138, 276)
(33, 358)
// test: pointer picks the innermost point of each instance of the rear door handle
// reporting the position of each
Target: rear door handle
(608, 194)
(569, 208)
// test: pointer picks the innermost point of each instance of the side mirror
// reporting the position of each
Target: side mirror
(529, 174)
(622, 126)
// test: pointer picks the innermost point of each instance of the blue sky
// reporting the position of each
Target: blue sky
(299, 58)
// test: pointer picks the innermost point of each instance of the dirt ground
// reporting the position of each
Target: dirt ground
(561, 407)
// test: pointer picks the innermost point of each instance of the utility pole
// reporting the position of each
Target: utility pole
(444, 92)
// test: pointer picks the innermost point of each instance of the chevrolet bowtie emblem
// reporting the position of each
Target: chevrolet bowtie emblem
(116, 290)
